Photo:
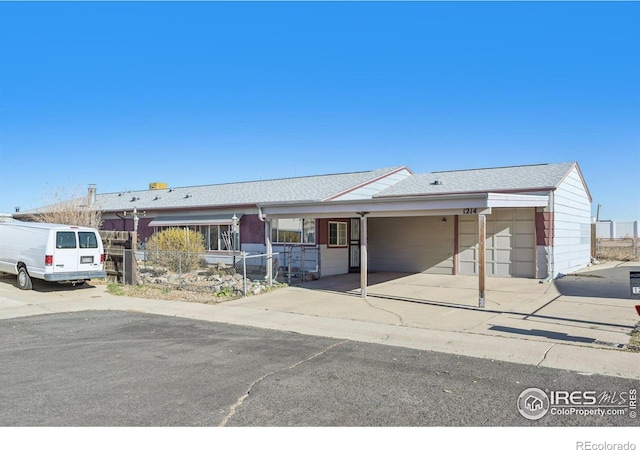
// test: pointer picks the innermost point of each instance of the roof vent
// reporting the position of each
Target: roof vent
(157, 197)
(134, 198)
(437, 183)
(188, 196)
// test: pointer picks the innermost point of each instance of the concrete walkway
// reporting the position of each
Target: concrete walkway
(524, 321)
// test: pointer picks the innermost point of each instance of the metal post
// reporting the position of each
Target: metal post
(363, 255)
(482, 258)
(133, 276)
(303, 264)
(134, 237)
(290, 256)
(180, 269)
(269, 245)
(244, 272)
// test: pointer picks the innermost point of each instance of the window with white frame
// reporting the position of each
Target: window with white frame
(215, 237)
(297, 230)
(337, 234)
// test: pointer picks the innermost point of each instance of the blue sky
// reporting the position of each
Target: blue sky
(121, 94)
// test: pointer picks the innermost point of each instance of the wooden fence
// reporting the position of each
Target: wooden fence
(115, 243)
(613, 249)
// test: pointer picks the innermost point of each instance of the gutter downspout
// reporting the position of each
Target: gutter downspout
(267, 242)
(261, 215)
(550, 263)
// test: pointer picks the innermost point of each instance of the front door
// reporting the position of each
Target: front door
(354, 245)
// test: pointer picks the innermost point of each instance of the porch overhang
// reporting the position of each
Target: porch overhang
(479, 204)
(182, 221)
(435, 205)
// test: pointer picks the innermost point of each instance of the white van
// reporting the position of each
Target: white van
(50, 252)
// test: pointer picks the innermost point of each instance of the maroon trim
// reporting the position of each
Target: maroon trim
(251, 229)
(544, 228)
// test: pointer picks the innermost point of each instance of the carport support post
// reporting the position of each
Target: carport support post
(482, 257)
(267, 235)
(363, 255)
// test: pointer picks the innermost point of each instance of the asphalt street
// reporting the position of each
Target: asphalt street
(131, 369)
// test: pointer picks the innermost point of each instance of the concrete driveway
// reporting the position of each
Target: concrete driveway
(576, 309)
(571, 322)
(560, 324)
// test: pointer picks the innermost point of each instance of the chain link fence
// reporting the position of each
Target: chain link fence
(223, 274)
(296, 263)
(228, 275)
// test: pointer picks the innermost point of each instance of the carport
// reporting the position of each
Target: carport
(445, 205)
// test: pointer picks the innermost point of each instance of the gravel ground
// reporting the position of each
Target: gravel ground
(166, 293)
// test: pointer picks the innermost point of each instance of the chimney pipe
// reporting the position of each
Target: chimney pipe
(92, 194)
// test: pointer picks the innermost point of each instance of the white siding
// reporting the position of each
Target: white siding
(411, 244)
(334, 261)
(254, 249)
(571, 226)
(377, 186)
(542, 258)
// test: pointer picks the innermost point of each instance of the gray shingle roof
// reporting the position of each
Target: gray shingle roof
(498, 179)
(320, 187)
(311, 188)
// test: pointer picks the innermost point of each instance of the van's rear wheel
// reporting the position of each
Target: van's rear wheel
(24, 280)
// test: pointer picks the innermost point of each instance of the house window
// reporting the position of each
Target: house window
(299, 231)
(215, 237)
(337, 234)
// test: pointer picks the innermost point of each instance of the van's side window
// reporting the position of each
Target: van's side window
(87, 239)
(65, 239)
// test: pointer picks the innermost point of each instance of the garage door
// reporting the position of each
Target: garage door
(510, 243)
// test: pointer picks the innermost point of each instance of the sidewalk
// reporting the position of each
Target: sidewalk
(524, 321)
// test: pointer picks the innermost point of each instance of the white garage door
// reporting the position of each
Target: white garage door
(510, 243)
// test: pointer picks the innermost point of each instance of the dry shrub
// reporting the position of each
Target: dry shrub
(624, 249)
(176, 249)
(69, 210)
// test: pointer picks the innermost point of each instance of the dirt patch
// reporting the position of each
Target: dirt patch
(634, 342)
(585, 275)
(626, 249)
(165, 293)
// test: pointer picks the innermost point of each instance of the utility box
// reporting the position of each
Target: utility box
(634, 280)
